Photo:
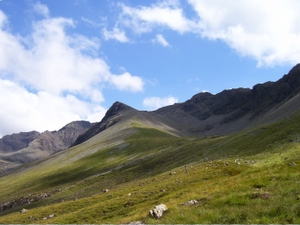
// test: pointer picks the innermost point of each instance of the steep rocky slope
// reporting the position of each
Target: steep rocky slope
(233, 110)
(27, 146)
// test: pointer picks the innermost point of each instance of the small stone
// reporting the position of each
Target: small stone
(191, 202)
(137, 222)
(23, 210)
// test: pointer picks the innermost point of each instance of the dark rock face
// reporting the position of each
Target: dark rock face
(208, 111)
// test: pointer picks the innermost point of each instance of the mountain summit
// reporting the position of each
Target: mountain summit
(112, 116)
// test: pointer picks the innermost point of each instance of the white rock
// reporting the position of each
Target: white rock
(158, 211)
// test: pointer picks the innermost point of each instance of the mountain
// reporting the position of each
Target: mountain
(28, 146)
(132, 161)
(234, 110)
(206, 114)
(120, 112)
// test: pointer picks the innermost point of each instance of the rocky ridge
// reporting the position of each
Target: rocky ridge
(206, 114)
(27, 146)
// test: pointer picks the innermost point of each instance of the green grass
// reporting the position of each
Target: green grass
(262, 188)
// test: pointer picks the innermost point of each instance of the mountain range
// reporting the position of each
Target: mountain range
(205, 114)
(226, 158)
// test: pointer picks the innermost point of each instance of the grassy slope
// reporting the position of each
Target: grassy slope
(262, 188)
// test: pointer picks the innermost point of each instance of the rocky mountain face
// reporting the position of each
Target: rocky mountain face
(236, 109)
(28, 146)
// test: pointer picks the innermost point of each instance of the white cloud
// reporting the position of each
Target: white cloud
(25, 111)
(127, 82)
(51, 77)
(269, 33)
(161, 40)
(41, 9)
(165, 13)
(153, 103)
(115, 34)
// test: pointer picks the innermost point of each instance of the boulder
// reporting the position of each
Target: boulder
(158, 211)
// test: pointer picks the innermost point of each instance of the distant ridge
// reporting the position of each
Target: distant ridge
(233, 110)
(28, 146)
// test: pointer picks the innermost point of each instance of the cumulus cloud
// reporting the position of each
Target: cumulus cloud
(165, 13)
(41, 9)
(127, 82)
(268, 33)
(161, 40)
(51, 77)
(25, 111)
(115, 34)
(153, 103)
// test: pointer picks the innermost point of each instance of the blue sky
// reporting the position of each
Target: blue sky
(62, 61)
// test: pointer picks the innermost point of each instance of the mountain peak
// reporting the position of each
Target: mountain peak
(295, 69)
(112, 116)
(117, 107)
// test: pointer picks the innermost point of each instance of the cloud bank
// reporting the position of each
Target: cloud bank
(267, 32)
(52, 76)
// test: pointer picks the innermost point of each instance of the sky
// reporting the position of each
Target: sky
(68, 60)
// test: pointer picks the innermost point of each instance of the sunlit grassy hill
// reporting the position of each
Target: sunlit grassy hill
(121, 173)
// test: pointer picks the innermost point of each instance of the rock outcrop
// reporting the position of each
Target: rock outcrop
(158, 211)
